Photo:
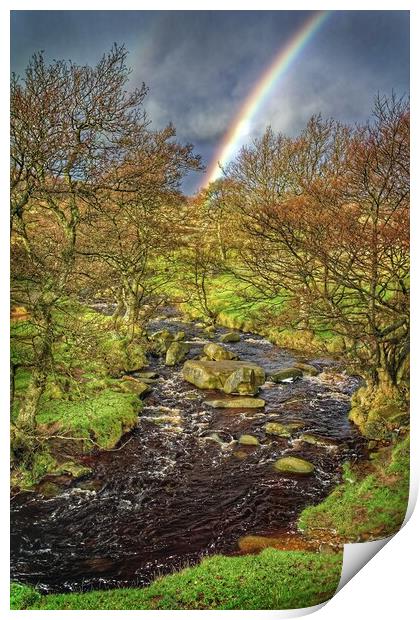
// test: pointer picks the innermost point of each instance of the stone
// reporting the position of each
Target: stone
(236, 403)
(76, 470)
(321, 442)
(217, 353)
(286, 374)
(162, 340)
(176, 353)
(240, 454)
(230, 337)
(307, 369)
(248, 440)
(130, 384)
(210, 329)
(275, 428)
(211, 375)
(293, 465)
(147, 374)
(179, 336)
(241, 381)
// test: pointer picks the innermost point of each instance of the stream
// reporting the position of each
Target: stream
(180, 487)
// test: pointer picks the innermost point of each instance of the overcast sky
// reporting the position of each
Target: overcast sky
(200, 65)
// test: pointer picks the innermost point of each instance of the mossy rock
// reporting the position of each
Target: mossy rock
(293, 465)
(76, 470)
(286, 374)
(307, 369)
(179, 336)
(210, 329)
(242, 381)
(210, 375)
(130, 384)
(276, 428)
(230, 337)
(248, 440)
(321, 442)
(161, 340)
(218, 353)
(176, 353)
(236, 403)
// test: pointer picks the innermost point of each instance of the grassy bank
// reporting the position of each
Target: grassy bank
(85, 405)
(270, 580)
(370, 503)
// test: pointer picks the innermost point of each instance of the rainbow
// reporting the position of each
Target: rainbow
(277, 69)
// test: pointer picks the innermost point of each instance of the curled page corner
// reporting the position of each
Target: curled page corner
(356, 555)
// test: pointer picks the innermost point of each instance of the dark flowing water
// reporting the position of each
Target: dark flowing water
(177, 490)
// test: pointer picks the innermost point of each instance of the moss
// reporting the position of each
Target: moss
(368, 505)
(101, 419)
(33, 468)
(379, 413)
(271, 580)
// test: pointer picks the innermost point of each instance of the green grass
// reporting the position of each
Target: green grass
(102, 419)
(369, 504)
(271, 580)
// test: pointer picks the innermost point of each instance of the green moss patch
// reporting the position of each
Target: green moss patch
(100, 420)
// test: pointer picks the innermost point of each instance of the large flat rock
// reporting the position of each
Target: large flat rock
(209, 375)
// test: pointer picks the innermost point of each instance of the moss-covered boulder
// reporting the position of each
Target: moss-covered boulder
(248, 440)
(161, 340)
(135, 386)
(307, 369)
(286, 374)
(321, 442)
(121, 356)
(236, 403)
(293, 465)
(217, 353)
(211, 375)
(230, 337)
(210, 329)
(241, 381)
(276, 428)
(179, 336)
(176, 353)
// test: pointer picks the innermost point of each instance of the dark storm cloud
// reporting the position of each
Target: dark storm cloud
(199, 65)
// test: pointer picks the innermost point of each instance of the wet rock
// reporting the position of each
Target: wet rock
(307, 369)
(286, 374)
(217, 353)
(230, 337)
(275, 428)
(147, 375)
(176, 353)
(179, 336)
(241, 381)
(315, 440)
(248, 440)
(293, 465)
(236, 403)
(162, 340)
(210, 375)
(76, 470)
(130, 384)
(240, 454)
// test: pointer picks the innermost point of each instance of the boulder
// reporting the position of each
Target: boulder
(211, 375)
(293, 465)
(286, 374)
(147, 374)
(179, 336)
(282, 430)
(241, 381)
(248, 440)
(230, 337)
(236, 403)
(210, 329)
(162, 340)
(130, 384)
(321, 442)
(176, 353)
(217, 353)
(307, 369)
